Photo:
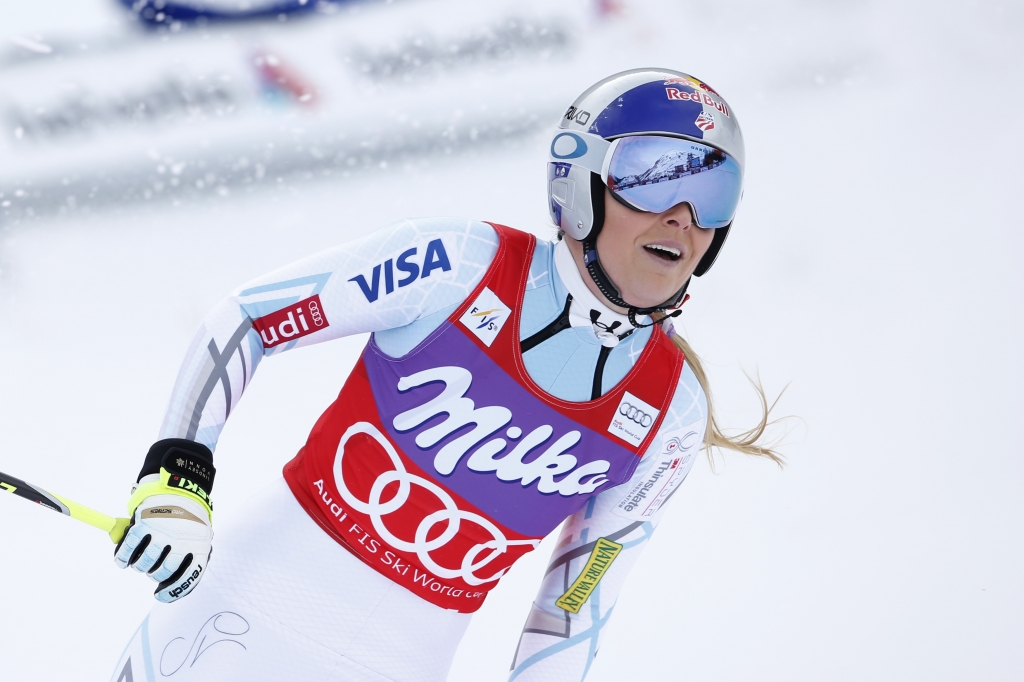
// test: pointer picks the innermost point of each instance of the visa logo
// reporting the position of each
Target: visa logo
(434, 258)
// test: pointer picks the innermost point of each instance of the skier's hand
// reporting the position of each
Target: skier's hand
(170, 534)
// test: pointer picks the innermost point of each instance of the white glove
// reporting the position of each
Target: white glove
(169, 539)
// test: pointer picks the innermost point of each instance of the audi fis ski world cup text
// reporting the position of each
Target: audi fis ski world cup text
(389, 558)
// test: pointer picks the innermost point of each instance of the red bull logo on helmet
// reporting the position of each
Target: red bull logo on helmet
(699, 97)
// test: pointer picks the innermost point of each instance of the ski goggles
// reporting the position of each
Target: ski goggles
(653, 173)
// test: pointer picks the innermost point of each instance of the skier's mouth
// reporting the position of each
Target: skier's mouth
(664, 252)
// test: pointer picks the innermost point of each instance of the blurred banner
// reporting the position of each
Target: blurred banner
(222, 106)
(157, 13)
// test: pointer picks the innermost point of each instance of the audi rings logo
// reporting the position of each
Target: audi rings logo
(314, 311)
(376, 507)
(635, 414)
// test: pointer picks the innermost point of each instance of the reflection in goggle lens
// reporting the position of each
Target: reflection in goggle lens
(654, 173)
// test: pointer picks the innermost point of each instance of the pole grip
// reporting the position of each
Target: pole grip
(114, 527)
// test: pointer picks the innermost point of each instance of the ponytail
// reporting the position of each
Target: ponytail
(745, 442)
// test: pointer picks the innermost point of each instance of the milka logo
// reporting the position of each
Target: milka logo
(434, 258)
(488, 420)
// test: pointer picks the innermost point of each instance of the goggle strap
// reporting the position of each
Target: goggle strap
(594, 154)
(606, 164)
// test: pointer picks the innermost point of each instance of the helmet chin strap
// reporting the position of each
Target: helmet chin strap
(611, 292)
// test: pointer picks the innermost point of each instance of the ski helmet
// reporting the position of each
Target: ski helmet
(590, 151)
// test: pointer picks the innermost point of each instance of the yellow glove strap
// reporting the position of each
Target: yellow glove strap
(171, 485)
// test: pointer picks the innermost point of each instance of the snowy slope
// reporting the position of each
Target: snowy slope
(866, 270)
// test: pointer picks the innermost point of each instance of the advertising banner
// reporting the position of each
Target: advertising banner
(226, 107)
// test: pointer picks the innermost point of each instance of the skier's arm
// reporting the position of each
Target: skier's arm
(388, 279)
(598, 546)
(402, 278)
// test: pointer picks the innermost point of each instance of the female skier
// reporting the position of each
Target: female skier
(510, 384)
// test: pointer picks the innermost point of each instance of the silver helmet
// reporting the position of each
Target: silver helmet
(645, 102)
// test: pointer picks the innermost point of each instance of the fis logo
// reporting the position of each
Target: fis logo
(486, 316)
(434, 258)
(291, 323)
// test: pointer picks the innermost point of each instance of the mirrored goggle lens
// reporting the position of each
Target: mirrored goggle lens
(656, 173)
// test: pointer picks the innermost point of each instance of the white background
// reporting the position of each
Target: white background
(875, 268)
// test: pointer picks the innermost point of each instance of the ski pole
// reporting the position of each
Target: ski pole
(108, 524)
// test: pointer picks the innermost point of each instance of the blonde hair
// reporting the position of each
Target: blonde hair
(746, 442)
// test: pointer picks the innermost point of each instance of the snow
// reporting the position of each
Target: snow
(871, 271)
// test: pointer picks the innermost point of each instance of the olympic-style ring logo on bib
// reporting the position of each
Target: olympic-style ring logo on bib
(635, 414)
(376, 508)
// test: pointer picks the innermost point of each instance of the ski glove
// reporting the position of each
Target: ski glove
(171, 530)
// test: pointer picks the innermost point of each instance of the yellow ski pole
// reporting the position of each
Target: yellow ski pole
(114, 527)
